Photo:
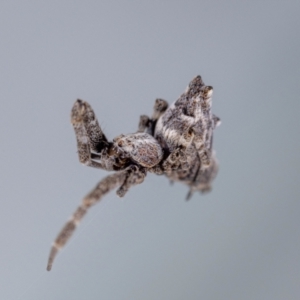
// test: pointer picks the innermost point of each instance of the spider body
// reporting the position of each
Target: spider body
(176, 141)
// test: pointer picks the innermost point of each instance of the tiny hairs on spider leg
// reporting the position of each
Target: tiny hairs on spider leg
(176, 142)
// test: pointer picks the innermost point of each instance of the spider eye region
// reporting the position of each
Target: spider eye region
(141, 148)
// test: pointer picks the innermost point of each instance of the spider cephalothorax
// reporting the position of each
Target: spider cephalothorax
(175, 141)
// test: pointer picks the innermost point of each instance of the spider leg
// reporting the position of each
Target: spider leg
(143, 123)
(189, 195)
(202, 148)
(135, 175)
(147, 124)
(203, 179)
(216, 121)
(199, 108)
(103, 187)
(90, 137)
(177, 159)
(160, 106)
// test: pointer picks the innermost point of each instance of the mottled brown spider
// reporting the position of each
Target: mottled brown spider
(175, 141)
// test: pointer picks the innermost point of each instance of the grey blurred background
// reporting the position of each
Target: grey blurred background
(241, 241)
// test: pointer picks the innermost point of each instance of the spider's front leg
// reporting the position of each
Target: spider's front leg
(92, 144)
(123, 179)
(103, 187)
(135, 175)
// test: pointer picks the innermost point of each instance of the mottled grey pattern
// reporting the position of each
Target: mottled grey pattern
(176, 141)
(142, 148)
(188, 125)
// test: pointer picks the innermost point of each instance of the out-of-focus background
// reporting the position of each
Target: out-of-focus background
(241, 241)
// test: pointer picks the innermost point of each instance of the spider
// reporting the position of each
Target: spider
(176, 141)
